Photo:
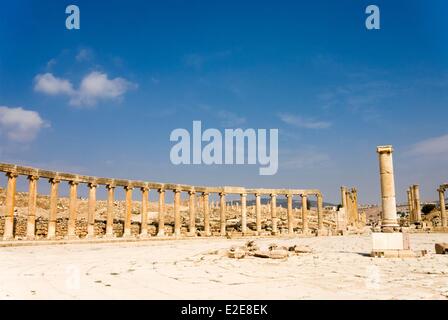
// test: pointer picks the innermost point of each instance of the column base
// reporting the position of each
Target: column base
(30, 237)
(8, 238)
(71, 237)
(161, 234)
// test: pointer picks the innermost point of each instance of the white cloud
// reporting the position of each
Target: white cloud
(19, 124)
(303, 122)
(94, 87)
(431, 147)
(51, 85)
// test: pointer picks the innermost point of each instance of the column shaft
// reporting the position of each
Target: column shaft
(290, 214)
(274, 214)
(389, 218)
(192, 211)
(53, 208)
(304, 213)
(128, 212)
(418, 214)
(10, 205)
(110, 211)
(320, 212)
(205, 207)
(258, 212)
(443, 216)
(161, 222)
(144, 213)
(222, 200)
(244, 213)
(177, 221)
(72, 209)
(91, 211)
(408, 192)
(32, 205)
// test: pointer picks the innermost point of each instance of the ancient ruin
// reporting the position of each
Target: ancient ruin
(199, 219)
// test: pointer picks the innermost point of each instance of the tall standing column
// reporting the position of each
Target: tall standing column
(91, 210)
(32, 205)
(192, 211)
(274, 214)
(389, 217)
(244, 213)
(128, 212)
(304, 213)
(72, 209)
(222, 201)
(443, 216)
(110, 211)
(418, 214)
(10, 205)
(206, 207)
(144, 213)
(408, 192)
(320, 212)
(412, 213)
(258, 212)
(290, 214)
(54, 183)
(161, 222)
(344, 198)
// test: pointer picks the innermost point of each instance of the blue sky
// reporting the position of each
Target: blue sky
(104, 99)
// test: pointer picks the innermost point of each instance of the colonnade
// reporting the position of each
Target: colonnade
(93, 183)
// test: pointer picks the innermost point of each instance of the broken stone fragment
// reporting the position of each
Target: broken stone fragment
(237, 253)
(441, 248)
(278, 254)
(262, 254)
(300, 249)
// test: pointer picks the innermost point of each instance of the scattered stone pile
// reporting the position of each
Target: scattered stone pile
(274, 251)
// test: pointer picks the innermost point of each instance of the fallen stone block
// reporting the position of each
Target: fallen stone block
(262, 254)
(278, 254)
(441, 248)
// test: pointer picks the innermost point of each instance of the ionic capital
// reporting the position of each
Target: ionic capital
(54, 180)
(128, 188)
(384, 149)
(73, 183)
(33, 177)
(12, 175)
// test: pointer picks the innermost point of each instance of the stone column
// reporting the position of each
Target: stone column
(32, 204)
(128, 212)
(244, 213)
(192, 211)
(91, 210)
(443, 216)
(412, 214)
(72, 209)
(161, 222)
(54, 183)
(355, 206)
(389, 217)
(410, 207)
(222, 201)
(320, 212)
(304, 214)
(144, 213)
(206, 207)
(110, 211)
(290, 214)
(274, 214)
(344, 198)
(177, 221)
(418, 214)
(10, 205)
